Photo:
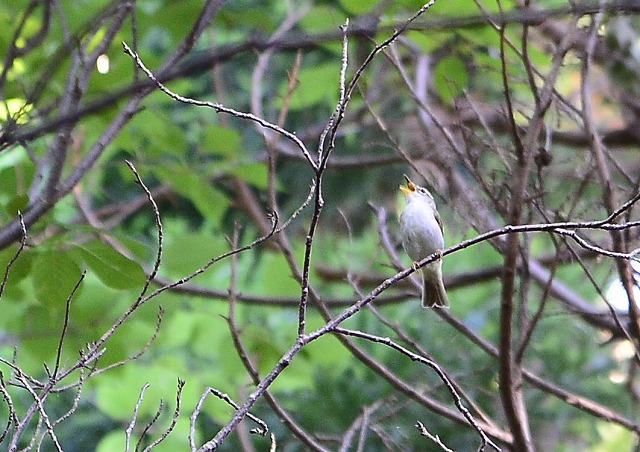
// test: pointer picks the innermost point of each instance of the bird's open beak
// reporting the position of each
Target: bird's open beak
(410, 188)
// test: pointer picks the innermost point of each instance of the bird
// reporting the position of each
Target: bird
(422, 235)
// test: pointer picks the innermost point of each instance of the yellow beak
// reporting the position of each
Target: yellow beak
(410, 188)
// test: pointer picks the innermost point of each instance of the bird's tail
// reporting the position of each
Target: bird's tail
(434, 294)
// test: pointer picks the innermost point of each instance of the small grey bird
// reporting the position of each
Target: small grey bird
(422, 235)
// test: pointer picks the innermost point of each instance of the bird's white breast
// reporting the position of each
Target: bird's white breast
(421, 233)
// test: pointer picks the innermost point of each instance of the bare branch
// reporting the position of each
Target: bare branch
(23, 243)
(134, 418)
(219, 108)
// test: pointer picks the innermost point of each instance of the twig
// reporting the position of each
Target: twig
(174, 418)
(220, 108)
(262, 430)
(65, 325)
(150, 424)
(134, 418)
(435, 438)
(23, 243)
(433, 365)
(156, 214)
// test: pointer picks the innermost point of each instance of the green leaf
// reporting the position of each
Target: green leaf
(54, 275)
(220, 140)
(153, 134)
(456, 8)
(614, 438)
(16, 204)
(211, 202)
(317, 84)
(322, 18)
(115, 440)
(254, 173)
(113, 269)
(20, 267)
(39, 324)
(176, 18)
(427, 41)
(451, 77)
(13, 187)
(271, 275)
(185, 250)
(356, 7)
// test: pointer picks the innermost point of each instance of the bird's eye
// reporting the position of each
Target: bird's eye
(424, 191)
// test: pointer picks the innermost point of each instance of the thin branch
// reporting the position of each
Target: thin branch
(23, 243)
(150, 424)
(262, 430)
(251, 368)
(134, 417)
(156, 214)
(441, 374)
(219, 108)
(435, 438)
(174, 418)
(65, 325)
